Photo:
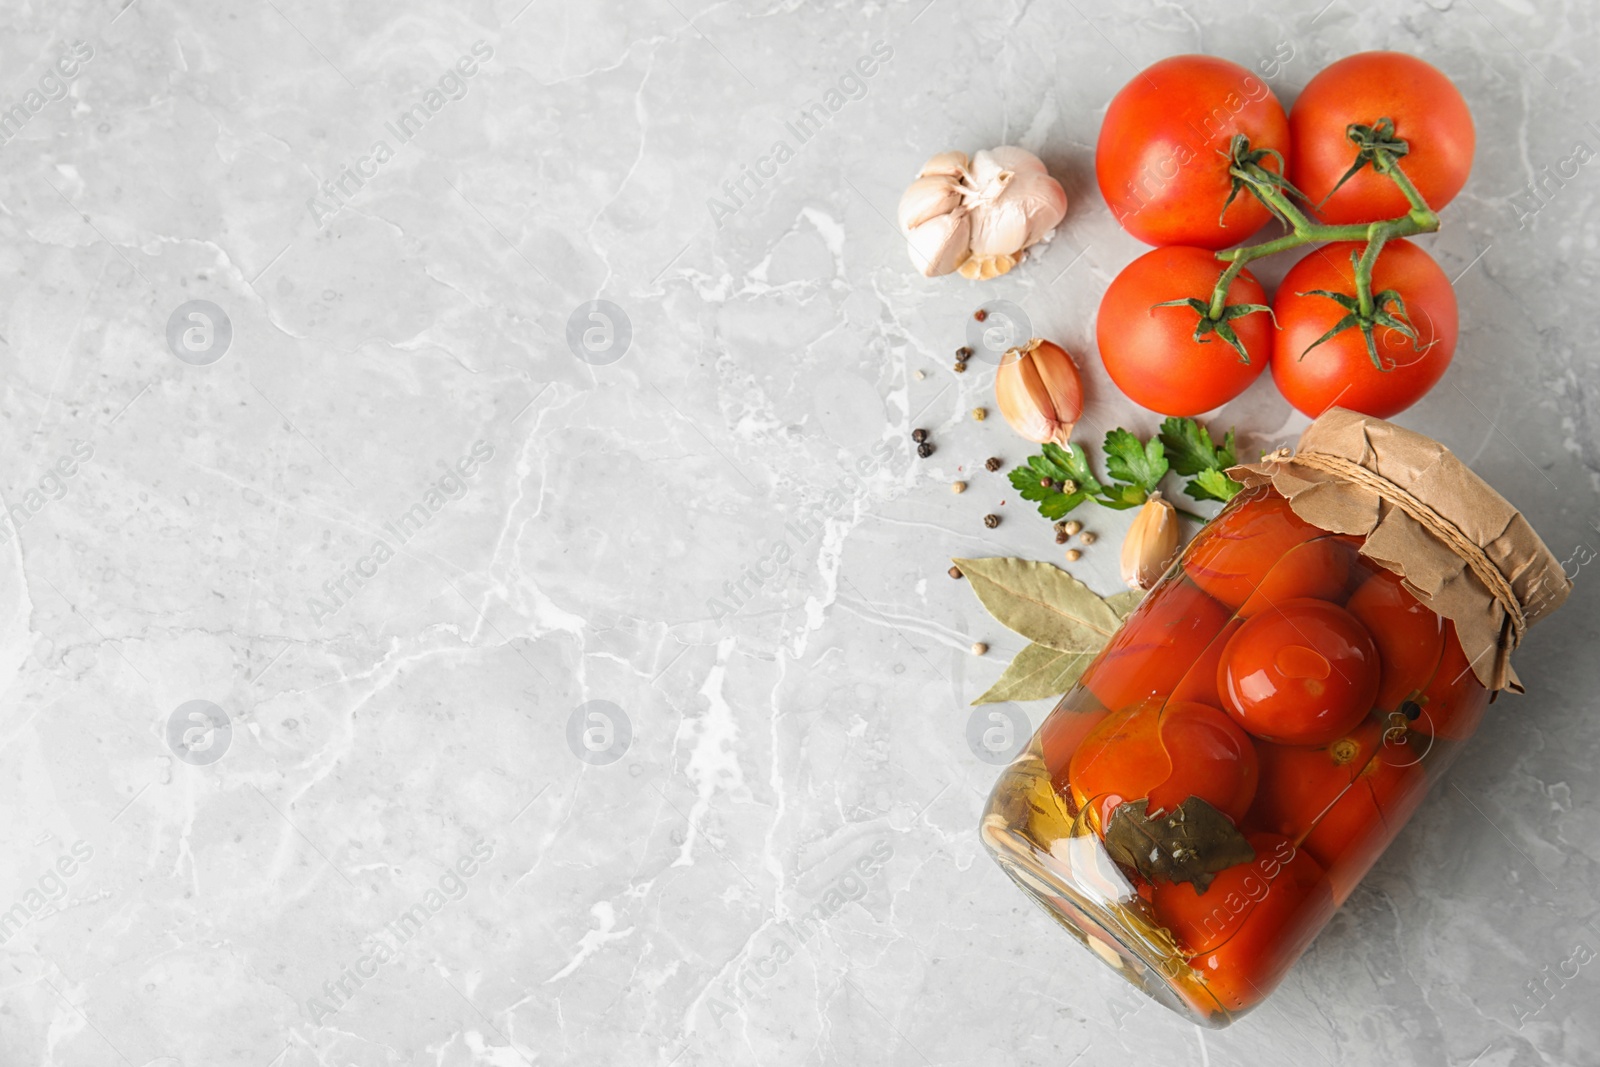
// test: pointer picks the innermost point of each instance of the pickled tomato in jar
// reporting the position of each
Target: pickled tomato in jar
(1248, 743)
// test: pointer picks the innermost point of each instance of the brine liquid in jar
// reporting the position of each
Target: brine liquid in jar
(1235, 759)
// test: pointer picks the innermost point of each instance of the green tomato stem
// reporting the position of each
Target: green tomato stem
(1390, 168)
(1369, 256)
(1303, 231)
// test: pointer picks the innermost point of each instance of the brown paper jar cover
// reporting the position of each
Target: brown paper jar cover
(1457, 545)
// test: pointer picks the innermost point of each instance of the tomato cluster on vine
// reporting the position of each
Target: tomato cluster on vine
(1196, 155)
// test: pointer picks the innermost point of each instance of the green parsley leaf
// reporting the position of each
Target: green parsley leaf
(1121, 497)
(1135, 469)
(1059, 465)
(1141, 465)
(1189, 447)
(1072, 463)
(1196, 455)
(1212, 485)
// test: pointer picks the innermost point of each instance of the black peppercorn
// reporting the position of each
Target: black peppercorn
(1061, 537)
(919, 435)
(992, 463)
(964, 352)
(991, 521)
(925, 450)
(961, 366)
(1046, 483)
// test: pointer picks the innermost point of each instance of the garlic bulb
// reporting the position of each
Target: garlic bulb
(1038, 391)
(978, 216)
(1151, 543)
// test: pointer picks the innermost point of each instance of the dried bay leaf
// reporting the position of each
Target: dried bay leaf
(1042, 603)
(1190, 843)
(1038, 672)
(1048, 820)
(1124, 603)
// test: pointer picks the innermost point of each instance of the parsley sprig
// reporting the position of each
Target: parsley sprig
(1060, 478)
(1195, 456)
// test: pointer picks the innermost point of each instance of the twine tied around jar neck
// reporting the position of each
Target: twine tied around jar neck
(1516, 624)
(1461, 548)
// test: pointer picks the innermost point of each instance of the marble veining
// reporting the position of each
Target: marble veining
(468, 596)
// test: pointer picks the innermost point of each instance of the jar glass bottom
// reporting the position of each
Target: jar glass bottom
(1059, 862)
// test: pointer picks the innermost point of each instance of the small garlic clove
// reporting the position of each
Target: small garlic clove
(986, 186)
(1042, 201)
(927, 198)
(983, 170)
(1038, 390)
(1020, 396)
(941, 244)
(1151, 544)
(1010, 157)
(945, 165)
(1000, 226)
(1062, 383)
(982, 268)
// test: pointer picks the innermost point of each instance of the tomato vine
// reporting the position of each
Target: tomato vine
(1377, 147)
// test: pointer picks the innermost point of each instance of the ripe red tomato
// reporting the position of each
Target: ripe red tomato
(1199, 683)
(1319, 568)
(1428, 114)
(1340, 371)
(1300, 782)
(1166, 753)
(1230, 558)
(1301, 673)
(1162, 162)
(1453, 703)
(1152, 651)
(1064, 729)
(1199, 922)
(1360, 825)
(1247, 929)
(1150, 352)
(1343, 801)
(1409, 637)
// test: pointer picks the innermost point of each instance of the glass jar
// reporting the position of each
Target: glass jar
(1235, 759)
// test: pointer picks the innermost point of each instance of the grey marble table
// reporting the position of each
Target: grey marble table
(409, 660)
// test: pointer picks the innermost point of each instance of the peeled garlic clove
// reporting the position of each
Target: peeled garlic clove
(1038, 390)
(945, 165)
(926, 198)
(982, 268)
(941, 244)
(1151, 543)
